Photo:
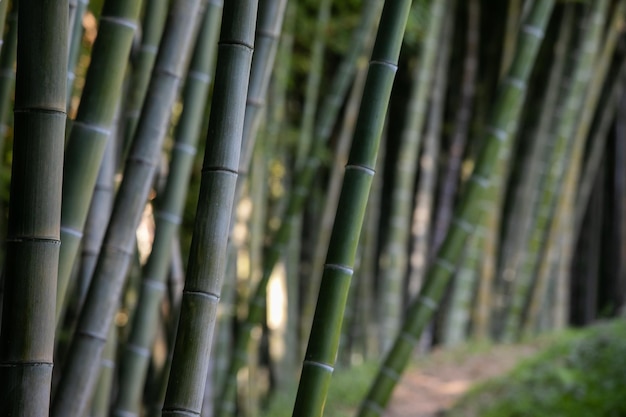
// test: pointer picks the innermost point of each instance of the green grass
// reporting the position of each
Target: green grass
(581, 374)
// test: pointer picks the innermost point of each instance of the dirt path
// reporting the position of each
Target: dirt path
(434, 385)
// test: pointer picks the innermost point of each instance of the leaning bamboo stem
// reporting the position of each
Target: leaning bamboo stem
(506, 110)
(394, 260)
(326, 329)
(79, 374)
(135, 360)
(91, 129)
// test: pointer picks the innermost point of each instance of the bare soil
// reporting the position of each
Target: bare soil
(437, 382)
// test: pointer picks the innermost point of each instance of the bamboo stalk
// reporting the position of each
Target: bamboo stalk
(79, 374)
(76, 37)
(33, 236)
(394, 258)
(135, 359)
(91, 129)
(217, 191)
(152, 25)
(7, 72)
(506, 110)
(324, 339)
(304, 178)
(564, 146)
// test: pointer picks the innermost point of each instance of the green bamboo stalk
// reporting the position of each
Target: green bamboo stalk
(324, 340)
(429, 166)
(450, 178)
(152, 25)
(526, 195)
(269, 26)
(101, 401)
(598, 145)
(135, 360)
(513, 17)
(324, 126)
(76, 37)
(217, 191)
(571, 175)
(99, 214)
(563, 144)
(459, 307)
(33, 241)
(91, 129)
(395, 259)
(314, 79)
(304, 178)
(79, 374)
(505, 111)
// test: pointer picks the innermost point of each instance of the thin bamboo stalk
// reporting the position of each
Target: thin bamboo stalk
(79, 374)
(526, 195)
(4, 6)
(152, 25)
(303, 180)
(563, 218)
(429, 159)
(217, 191)
(76, 37)
(394, 258)
(563, 145)
(450, 178)
(91, 129)
(506, 110)
(324, 339)
(269, 26)
(33, 236)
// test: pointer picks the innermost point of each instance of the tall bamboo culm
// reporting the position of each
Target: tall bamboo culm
(207, 258)
(80, 372)
(321, 352)
(505, 112)
(33, 237)
(92, 128)
(136, 356)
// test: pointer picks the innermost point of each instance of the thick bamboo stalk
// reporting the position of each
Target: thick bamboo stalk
(91, 129)
(79, 374)
(33, 236)
(324, 339)
(205, 270)
(170, 206)
(506, 110)
(394, 258)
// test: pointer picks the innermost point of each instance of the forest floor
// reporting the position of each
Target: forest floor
(433, 385)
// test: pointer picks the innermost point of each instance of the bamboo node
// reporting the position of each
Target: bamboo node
(341, 268)
(535, 31)
(324, 366)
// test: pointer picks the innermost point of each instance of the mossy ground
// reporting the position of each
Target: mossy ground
(582, 374)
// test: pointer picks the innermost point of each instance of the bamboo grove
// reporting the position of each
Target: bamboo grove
(209, 202)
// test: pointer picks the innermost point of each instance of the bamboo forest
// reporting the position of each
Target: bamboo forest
(364, 208)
